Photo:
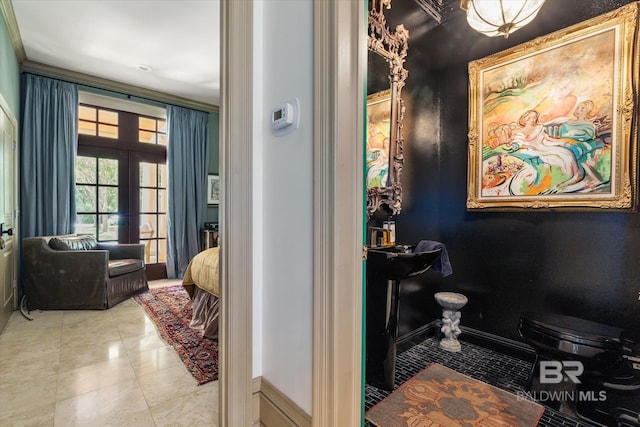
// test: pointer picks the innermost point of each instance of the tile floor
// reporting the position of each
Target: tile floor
(97, 368)
(497, 369)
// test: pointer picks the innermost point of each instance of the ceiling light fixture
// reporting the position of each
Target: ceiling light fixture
(500, 17)
(143, 67)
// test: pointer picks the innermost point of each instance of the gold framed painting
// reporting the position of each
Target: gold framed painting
(553, 123)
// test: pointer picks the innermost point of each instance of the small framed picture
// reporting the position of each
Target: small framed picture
(213, 189)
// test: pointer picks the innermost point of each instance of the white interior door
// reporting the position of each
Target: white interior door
(7, 214)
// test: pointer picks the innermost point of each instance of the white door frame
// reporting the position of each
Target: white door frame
(236, 216)
(339, 70)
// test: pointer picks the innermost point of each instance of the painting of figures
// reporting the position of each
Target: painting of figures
(550, 130)
(378, 137)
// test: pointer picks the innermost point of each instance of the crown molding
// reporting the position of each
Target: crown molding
(440, 10)
(6, 7)
(114, 86)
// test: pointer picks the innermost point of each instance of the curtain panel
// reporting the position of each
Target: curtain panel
(48, 156)
(187, 165)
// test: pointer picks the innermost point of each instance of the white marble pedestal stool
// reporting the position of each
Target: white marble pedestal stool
(451, 302)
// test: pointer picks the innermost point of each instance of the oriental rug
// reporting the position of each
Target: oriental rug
(170, 310)
(439, 396)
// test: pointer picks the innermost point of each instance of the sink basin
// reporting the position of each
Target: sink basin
(398, 262)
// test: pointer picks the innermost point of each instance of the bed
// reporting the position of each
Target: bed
(202, 283)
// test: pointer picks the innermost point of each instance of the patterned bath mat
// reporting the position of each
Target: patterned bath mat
(170, 310)
(439, 396)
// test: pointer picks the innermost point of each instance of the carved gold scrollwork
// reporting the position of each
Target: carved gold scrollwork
(392, 46)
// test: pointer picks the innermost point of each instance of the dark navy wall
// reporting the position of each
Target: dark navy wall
(579, 264)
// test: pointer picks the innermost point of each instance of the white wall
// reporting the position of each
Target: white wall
(258, 142)
(283, 188)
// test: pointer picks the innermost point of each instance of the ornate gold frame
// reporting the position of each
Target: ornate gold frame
(392, 46)
(621, 193)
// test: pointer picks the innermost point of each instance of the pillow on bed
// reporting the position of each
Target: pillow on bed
(73, 243)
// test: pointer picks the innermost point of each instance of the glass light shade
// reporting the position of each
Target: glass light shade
(500, 17)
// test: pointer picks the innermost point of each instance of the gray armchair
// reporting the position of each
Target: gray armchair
(75, 272)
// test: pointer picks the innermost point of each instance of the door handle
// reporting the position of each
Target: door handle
(8, 231)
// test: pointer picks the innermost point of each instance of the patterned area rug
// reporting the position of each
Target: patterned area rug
(170, 309)
(439, 396)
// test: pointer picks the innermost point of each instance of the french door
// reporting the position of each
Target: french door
(121, 182)
(122, 197)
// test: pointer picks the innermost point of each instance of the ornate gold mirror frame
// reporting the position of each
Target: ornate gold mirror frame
(392, 46)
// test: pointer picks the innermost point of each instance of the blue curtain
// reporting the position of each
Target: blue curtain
(187, 165)
(48, 157)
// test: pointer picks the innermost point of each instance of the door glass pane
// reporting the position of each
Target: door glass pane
(87, 113)
(162, 225)
(148, 226)
(108, 199)
(108, 117)
(108, 169)
(147, 200)
(147, 123)
(85, 198)
(150, 251)
(86, 128)
(86, 224)
(162, 250)
(162, 200)
(86, 170)
(162, 181)
(107, 228)
(107, 131)
(148, 174)
(147, 137)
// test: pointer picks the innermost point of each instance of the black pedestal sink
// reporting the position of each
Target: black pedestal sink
(386, 267)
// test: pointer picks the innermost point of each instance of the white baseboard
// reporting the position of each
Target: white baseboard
(271, 408)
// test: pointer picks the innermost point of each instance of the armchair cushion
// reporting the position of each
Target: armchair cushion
(118, 267)
(73, 243)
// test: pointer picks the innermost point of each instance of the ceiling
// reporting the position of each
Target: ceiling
(109, 39)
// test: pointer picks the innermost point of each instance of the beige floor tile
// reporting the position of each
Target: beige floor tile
(156, 359)
(105, 406)
(29, 365)
(30, 394)
(166, 384)
(135, 325)
(136, 419)
(102, 327)
(94, 377)
(40, 319)
(90, 337)
(164, 283)
(79, 355)
(151, 340)
(40, 334)
(41, 416)
(198, 409)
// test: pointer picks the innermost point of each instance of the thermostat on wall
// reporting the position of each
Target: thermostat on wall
(286, 117)
(282, 116)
